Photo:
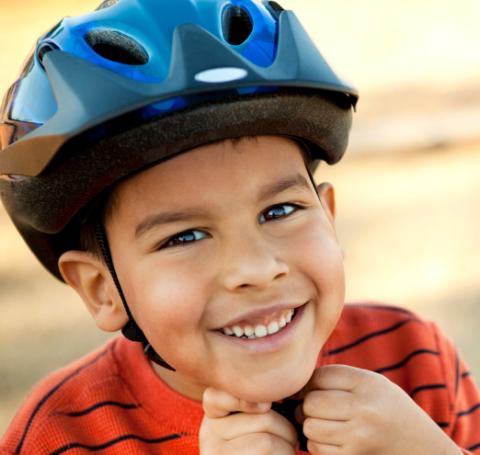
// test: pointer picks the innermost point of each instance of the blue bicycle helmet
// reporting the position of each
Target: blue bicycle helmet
(107, 94)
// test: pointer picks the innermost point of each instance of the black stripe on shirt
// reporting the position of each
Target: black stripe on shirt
(126, 437)
(469, 411)
(457, 372)
(426, 387)
(466, 374)
(406, 360)
(373, 306)
(361, 340)
(443, 424)
(474, 447)
(51, 392)
(101, 405)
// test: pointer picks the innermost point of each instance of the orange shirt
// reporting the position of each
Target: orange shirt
(112, 402)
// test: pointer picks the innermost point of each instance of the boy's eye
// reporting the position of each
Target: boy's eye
(185, 237)
(278, 211)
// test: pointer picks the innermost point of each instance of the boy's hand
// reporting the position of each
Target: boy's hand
(350, 411)
(232, 426)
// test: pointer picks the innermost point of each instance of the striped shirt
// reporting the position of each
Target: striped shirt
(112, 402)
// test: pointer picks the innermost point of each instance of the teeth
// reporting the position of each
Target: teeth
(289, 316)
(260, 330)
(237, 330)
(249, 330)
(273, 328)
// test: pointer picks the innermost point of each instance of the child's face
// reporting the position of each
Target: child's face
(230, 235)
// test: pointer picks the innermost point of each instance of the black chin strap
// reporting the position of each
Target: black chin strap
(131, 330)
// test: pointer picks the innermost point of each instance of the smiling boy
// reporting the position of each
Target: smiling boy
(248, 263)
(171, 187)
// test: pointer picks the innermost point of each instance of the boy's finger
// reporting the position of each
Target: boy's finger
(259, 444)
(336, 377)
(241, 424)
(325, 431)
(329, 405)
(218, 403)
(324, 449)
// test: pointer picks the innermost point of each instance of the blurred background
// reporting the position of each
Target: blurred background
(408, 191)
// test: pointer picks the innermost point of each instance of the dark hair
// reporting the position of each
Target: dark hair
(99, 212)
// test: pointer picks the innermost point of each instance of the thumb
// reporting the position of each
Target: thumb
(218, 403)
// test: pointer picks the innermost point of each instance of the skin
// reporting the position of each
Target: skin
(233, 257)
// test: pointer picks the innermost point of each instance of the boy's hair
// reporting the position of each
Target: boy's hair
(99, 213)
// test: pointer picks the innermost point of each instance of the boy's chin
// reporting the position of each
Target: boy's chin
(275, 389)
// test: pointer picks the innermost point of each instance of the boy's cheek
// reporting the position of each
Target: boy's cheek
(169, 312)
(320, 260)
(323, 266)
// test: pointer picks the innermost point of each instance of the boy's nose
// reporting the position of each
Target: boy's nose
(252, 262)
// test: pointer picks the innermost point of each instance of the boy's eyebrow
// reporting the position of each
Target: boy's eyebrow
(272, 189)
(168, 217)
(266, 191)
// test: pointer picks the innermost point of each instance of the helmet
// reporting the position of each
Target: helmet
(109, 93)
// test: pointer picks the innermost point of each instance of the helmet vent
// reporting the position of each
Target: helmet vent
(44, 49)
(237, 25)
(117, 47)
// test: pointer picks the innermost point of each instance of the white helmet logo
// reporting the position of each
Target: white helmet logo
(218, 75)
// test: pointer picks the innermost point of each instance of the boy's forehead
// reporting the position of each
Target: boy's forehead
(208, 180)
(262, 155)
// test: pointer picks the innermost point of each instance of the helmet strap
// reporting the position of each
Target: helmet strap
(310, 175)
(131, 330)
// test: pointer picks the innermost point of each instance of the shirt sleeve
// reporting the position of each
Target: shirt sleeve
(464, 425)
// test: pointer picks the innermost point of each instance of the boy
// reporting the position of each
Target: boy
(157, 156)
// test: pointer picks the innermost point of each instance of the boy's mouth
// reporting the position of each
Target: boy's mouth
(261, 327)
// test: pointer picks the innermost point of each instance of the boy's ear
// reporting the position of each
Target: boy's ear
(326, 193)
(91, 279)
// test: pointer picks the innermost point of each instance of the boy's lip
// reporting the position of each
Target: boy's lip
(261, 312)
(269, 344)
